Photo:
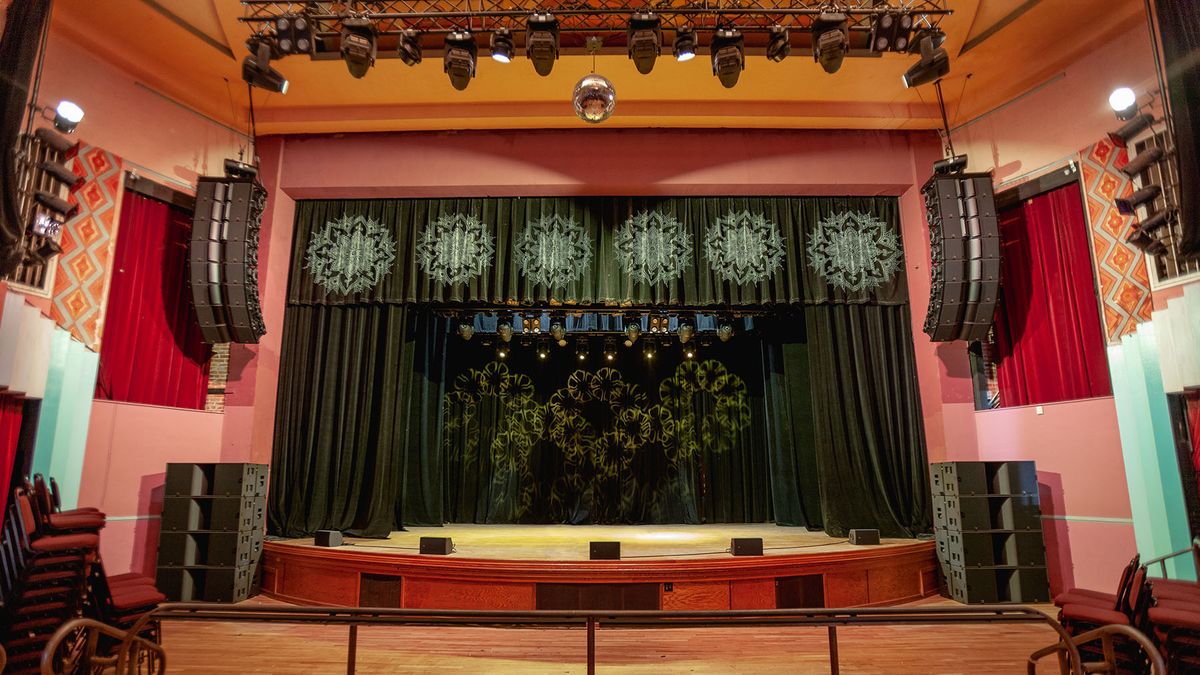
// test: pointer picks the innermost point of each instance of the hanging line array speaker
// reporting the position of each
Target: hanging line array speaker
(964, 245)
(223, 259)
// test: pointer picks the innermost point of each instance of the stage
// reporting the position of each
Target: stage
(547, 567)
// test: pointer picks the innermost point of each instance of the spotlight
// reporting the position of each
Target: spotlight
(1128, 205)
(610, 349)
(505, 330)
(459, 59)
(689, 352)
(67, 116)
(1146, 243)
(649, 349)
(56, 142)
(728, 56)
(686, 331)
(1156, 221)
(62, 207)
(294, 34)
(558, 331)
(933, 65)
(358, 45)
(541, 41)
(466, 327)
(47, 249)
(1133, 127)
(633, 329)
(1142, 162)
(45, 226)
(61, 174)
(502, 352)
(543, 350)
(950, 165)
(890, 31)
(778, 45)
(1123, 102)
(645, 40)
(409, 47)
(531, 324)
(830, 39)
(258, 72)
(685, 44)
(936, 35)
(581, 349)
(725, 330)
(502, 45)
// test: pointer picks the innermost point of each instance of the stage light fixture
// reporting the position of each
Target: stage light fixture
(644, 40)
(581, 348)
(257, 70)
(1143, 241)
(358, 44)
(890, 31)
(541, 41)
(1156, 220)
(933, 65)
(502, 45)
(1142, 161)
(294, 34)
(62, 174)
(558, 332)
(684, 48)
(936, 35)
(1133, 127)
(689, 352)
(725, 330)
(543, 350)
(459, 59)
(466, 326)
(950, 165)
(686, 331)
(56, 142)
(504, 329)
(610, 349)
(649, 349)
(409, 47)
(633, 329)
(1128, 205)
(67, 116)
(62, 207)
(502, 352)
(728, 56)
(830, 39)
(45, 226)
(1123, 101)
(778, 44)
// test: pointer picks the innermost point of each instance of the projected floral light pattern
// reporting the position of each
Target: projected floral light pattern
(455, 248)
(653, 248)
(350, 254)
(592, 429)
(744, 247)
(553, 251)
(854, 251)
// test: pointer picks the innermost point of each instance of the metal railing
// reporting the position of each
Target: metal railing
(89, 646)
(1161, 560)
(832, 619)
(1105, 635)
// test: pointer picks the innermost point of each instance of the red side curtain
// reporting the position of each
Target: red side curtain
(1049, 342)
(151, 351)
(11, 409)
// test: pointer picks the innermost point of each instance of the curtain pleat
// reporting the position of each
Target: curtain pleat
(1049, 344)
(11, 414)
(152, 351)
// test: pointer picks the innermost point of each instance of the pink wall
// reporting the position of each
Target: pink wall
(128, 448)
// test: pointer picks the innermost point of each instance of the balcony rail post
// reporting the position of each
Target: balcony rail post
(834, 666)
(352, 654)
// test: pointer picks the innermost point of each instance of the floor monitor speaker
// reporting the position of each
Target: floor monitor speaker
(864, 537)
(328, 538)
(437, 546)
(605, 550)
(746, 546)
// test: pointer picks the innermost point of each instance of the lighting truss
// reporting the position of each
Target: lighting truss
(582, 18)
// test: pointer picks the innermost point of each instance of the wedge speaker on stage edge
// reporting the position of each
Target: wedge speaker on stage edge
(223, 259)
(964, 246)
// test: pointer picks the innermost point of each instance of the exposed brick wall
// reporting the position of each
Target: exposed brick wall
(218, 375)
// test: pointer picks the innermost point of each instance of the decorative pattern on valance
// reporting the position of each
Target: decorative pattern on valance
(614, 251)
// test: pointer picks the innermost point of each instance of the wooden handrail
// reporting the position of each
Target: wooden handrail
(353, 617)
(134, 654)
(1105, 634)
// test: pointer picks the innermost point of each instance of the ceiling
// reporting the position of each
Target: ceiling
(191, 50)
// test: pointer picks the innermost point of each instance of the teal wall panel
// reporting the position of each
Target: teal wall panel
(66, 410)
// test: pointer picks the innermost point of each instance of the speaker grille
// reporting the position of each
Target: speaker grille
(223, 259)
(964, 247)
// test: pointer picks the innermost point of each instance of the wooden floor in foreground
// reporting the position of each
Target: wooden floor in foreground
(882, 650)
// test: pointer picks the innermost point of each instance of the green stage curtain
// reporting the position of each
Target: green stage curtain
(355, 436)
(867, 420)
(605, 283)
(789, 428)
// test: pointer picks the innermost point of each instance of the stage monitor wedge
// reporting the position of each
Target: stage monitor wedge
(739, 546)
(964, 248)
(864, 537)
(223, 259)
(604, 550)
(437, 546)
(329, 538)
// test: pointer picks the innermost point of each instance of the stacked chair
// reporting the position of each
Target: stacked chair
(1166, 610)
(50, 573)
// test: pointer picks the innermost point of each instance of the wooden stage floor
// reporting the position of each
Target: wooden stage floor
(570, 542)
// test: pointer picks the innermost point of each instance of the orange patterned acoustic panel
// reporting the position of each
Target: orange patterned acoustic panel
(1120, 268)
(88, 240)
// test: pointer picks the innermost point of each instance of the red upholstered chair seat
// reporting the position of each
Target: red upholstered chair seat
(118, 579)
(66, 542)
(78, 521)
(44, 608)
(1175, 617)
(128, 598)
(1083, 596)
(1094, 615)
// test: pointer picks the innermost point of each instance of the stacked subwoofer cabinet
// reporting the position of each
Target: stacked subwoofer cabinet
(988, 524)
(213, 523)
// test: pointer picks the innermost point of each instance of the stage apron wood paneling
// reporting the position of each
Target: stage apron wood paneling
(860, 577)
